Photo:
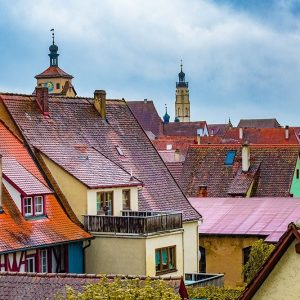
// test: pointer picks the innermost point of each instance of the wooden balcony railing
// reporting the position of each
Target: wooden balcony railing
(133, 222)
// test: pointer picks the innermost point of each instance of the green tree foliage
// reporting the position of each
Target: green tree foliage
(214, 293)
(259, 253)
(127, 289)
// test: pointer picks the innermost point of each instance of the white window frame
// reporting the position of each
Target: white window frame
(36, 213)
(44, 261)
(26, 206)
(30, 258)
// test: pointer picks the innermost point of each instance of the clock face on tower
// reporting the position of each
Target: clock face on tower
(49, 85)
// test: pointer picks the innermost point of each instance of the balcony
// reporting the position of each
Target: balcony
(134, 222)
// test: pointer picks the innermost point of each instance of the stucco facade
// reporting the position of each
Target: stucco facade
(224, 254)
(283, 281)
(295, 186)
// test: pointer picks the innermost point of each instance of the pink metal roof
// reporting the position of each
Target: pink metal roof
(247, 216)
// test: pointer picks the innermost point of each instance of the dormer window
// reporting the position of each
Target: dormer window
(33, 206)
(229, 160)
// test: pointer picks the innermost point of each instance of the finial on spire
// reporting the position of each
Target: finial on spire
(181, 65)
(166, 108)
(52, 35)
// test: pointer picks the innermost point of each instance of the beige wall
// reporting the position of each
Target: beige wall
(118, 200)
(73, 189)
(224, 254)
(116, 255)
(160, 241)
(283, 281)
(191, 249)
(61, 81)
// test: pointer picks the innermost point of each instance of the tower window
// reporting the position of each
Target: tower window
(58, 86)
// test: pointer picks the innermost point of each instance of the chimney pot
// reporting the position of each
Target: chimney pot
(286, 132)
(198, 139)
(42, 99)
(145, 100)
(100, 102)
(177, 155)
(245, 157)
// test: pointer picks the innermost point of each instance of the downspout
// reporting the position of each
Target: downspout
(88, 245)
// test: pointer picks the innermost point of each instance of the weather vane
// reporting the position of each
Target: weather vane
(52, 35)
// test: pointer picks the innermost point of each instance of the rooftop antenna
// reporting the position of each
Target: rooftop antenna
(52, 30)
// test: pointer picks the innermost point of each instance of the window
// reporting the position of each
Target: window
(165, 259)
(126, 199)
(202, 191)
(30, 264)
(297, 173)
(38, 205)
(230, 158)
(105, 203)
(246, 254)
(28, 211)
(202, 260)
(58, 86)
(120, 151)
(43, 261)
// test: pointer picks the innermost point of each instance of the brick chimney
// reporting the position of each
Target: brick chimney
(42, 99)
(245, 157)
(286, 132)
(100, 102)
(198, 139)
(1, 192)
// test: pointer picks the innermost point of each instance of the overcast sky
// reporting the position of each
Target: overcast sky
(241, 58)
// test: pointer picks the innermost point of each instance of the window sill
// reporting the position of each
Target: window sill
(165, 272)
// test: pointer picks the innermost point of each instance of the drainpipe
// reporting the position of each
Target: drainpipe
(88, 245)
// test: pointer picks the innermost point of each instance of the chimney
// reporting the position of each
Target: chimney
(286, 132)
(145, 100)
(100, 102)
(177, 155)
(42, 99)
(1, 195)
(198, 139)
(245, 157)
(240, 133)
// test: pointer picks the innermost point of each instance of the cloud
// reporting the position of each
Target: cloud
(241, 61)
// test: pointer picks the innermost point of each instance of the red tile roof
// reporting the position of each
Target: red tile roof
(34, 286)
(259, 123)
(76, 122)
(146, 114)
(282, 246)
(204, 166)
(266, 217)
(24, 181)
(16, 232)
(260, 136)
(54, 71)
(183, 128)
(217, 129)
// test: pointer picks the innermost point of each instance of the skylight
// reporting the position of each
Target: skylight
(120, 151)
(230, 158)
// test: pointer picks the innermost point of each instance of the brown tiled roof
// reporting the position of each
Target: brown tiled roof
(204, 166)
(260, 136)
(53, 71)
(35, 286)
(282, 246)
(146, 114)
(259, 123)
(75, 121)
(217, 129)
(175, 168)
(183, 128)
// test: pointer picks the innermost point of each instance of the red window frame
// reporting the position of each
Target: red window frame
(33, 213)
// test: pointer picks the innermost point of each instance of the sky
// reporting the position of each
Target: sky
(241, 58)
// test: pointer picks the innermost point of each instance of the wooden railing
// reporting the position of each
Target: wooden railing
(204, 279)
(133, 222)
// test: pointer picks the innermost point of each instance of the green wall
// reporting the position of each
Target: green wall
(295, 187)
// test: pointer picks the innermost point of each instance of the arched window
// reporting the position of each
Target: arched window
(178, 111)
(186, 112)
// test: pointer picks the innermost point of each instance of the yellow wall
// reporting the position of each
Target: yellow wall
(283, 281)
(73, 189)
(160, 241)
(191, 259)
(61, 81)
(224, 254)
(114, 255)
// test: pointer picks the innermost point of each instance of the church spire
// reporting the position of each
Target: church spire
(53, 52)
(181, 76)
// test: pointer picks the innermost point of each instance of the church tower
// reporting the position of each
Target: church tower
(54, 78)
(182, 103)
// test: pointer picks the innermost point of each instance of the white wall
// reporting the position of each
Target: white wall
(16, 196)
(118, 202)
